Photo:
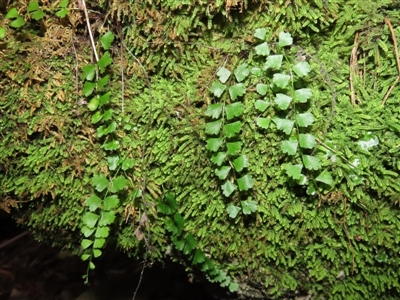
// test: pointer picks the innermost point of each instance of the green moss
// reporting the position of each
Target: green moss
(49, 151)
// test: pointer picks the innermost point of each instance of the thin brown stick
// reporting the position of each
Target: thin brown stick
(396, 53)
(353, 70)
(82, 4)
(122, 75)
(10, 241)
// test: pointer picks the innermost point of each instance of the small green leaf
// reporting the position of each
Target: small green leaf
(302, 95)
(104, 99)
(302, 68)
(241, 72)
(111, 145)
(100, 182)
(190, 244)
(107, 115)
(127, 164)
(289, 147)
(38, 15)
(240, 163)
(102, 82)
(12, 13)
(262, 49)
(274, 62)
(106, 40)
(102, 232)
(85, 257)
(90, 219)
(311, 190)
(311, 162)
(234, 110)
(281, 80)
(93, 202)
(33, 5)
(111, 202)
(232, 129)
(228, 188)
(233, 211)
(262, 88)
(284, 124)
(214, 110)
(237, 90)
(99, 243)
(245, 182)
(62, 13)
(96, 253)
(223, 74)
(171, 201)
(234, 147)
(18, 22)
(86, 243)
(325, 177)
(219, 158)
(213, 127)
(261, 105)
(249, 206)
(179, 222)
(63, 3)
(104, 61)
(88, 72)
(135, 193)
(102, 130)
(303, 180)
(263, 122)
(294, 171)
(256, 71)
(208, 265)
(260, 33)
(282, 101)
(214, 144)
(233, 287)
(217, 89)
(2, 32)
(305, 119)
(223, 172)
(87, 232)
(111, 127)
(98, 115)
(171, 227)
(179, 244)
(306, 141)
(107, 218)
(285, 39)
(112, 162)
(118, 184)
(93, 105)
(198, 257)
(88, 88)
(165, 207)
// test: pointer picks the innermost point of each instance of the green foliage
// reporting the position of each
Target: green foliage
(187, 244)
(103, 203)
(280, 81)
(322, 213)
(228, 114)
(34, 11)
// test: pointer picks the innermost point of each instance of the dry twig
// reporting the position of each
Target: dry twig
(82, 5)
(396, 53)
(353, 70)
